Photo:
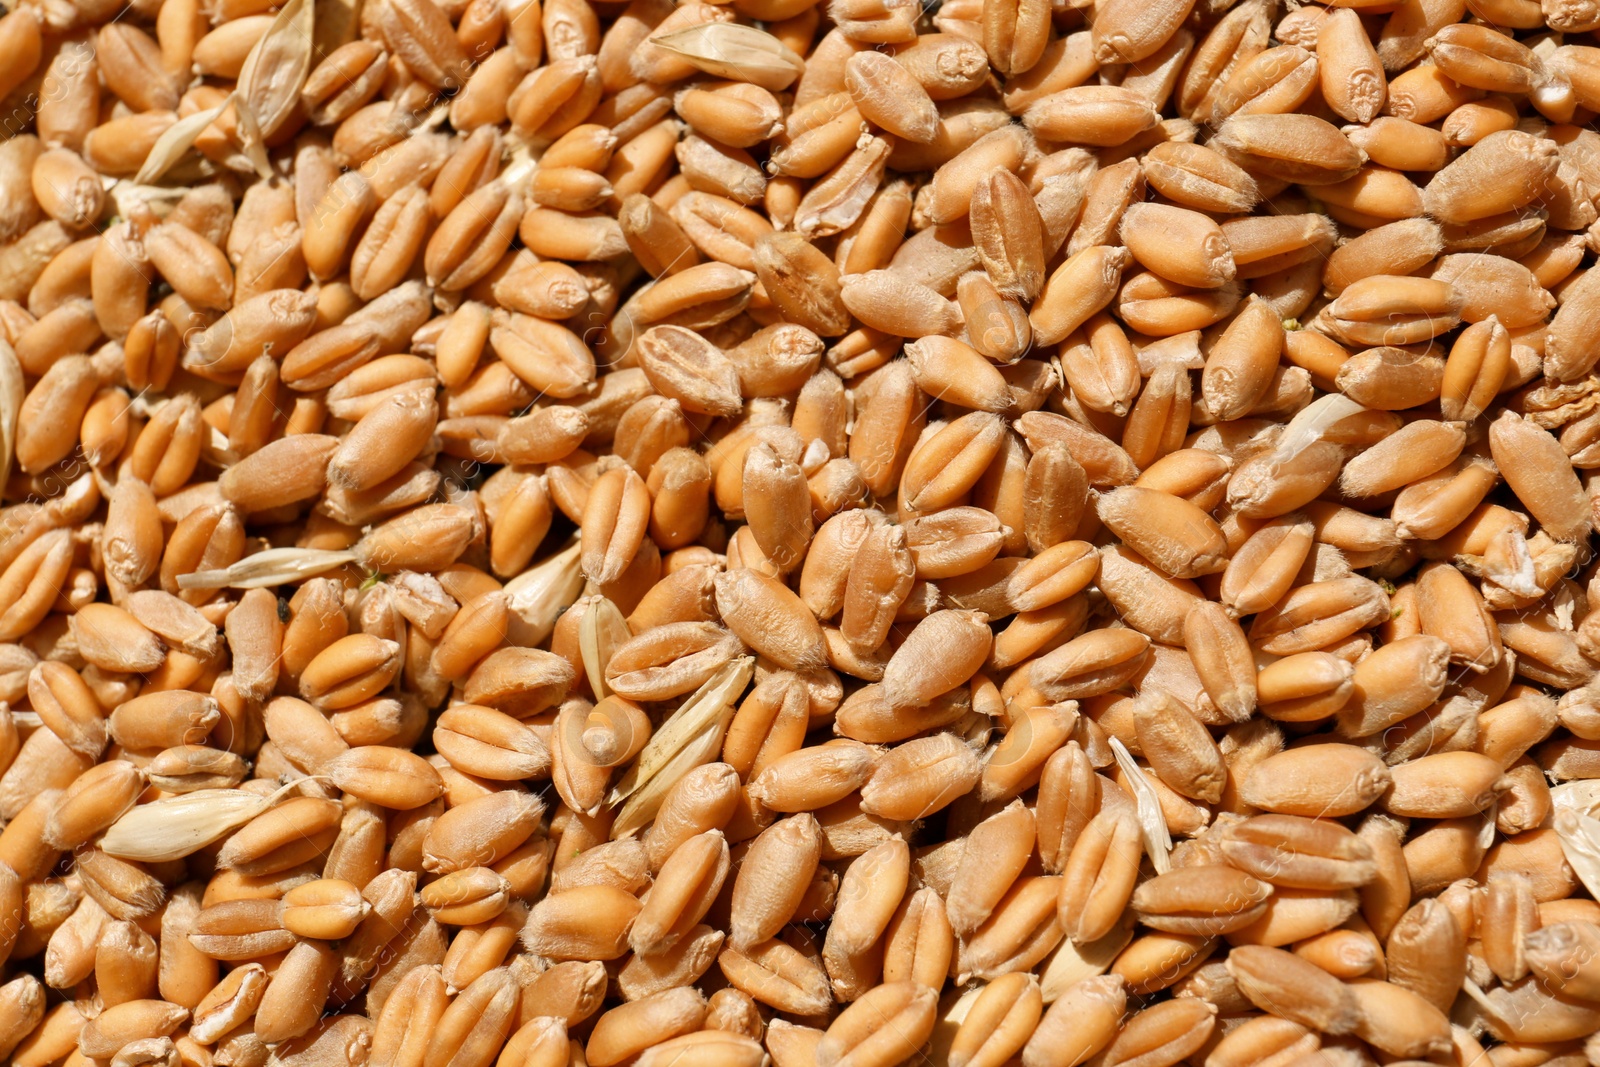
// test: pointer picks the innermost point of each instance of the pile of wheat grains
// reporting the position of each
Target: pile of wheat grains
(792, 533)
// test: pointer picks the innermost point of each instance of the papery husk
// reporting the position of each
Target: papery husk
(12, 392)
(1579, 834)
(690, 737)
(1312, 422)
(277, 67)
(174, 827)
(1152, 824)
(539, 595)
(251, 141)
(602, 630)
(275, 566)
(730, 50)
(1581, 795)
(1071, 962)
(640, 810)
(176, 141)
(954, 1007)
